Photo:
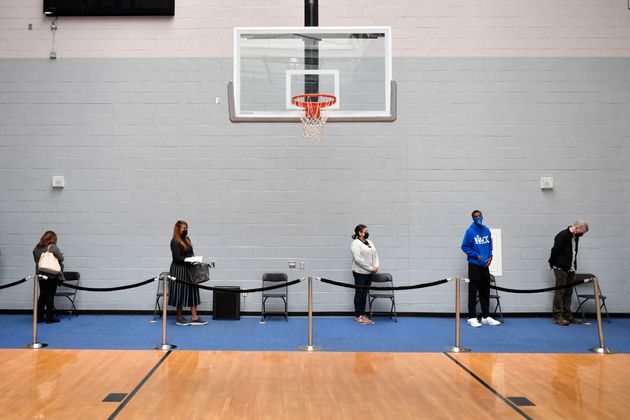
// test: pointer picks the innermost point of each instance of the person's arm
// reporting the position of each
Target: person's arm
(467, 246)
(57, 253)
(558, 245)
(356, 256)
(577, 243)
(376, 260)
(178, 253)
(489, 260)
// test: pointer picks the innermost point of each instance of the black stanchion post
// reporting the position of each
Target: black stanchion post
(457, 348)
(164, 346)
(35, 344)
(602, 349)
(310, 346)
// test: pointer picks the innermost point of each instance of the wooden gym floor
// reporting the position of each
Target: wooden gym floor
(73, 384)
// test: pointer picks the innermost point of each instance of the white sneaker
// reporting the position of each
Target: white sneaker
(490, 321)
(473, 322)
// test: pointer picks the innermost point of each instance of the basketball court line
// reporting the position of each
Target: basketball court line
(137, 388)
(487, 386)
(228, 384)
(279, 384)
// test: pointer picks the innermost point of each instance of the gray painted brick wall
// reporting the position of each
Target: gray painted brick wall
(141, 144)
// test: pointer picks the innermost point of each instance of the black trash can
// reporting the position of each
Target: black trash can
(226, 305)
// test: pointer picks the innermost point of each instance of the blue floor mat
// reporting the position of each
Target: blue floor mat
(421, 334)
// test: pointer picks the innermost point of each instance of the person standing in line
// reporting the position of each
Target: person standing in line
(47, 287)
(563, 261)
(364, 264)
(477, 245)
(182, 294)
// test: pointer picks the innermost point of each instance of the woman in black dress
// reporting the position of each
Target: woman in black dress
(181, 294)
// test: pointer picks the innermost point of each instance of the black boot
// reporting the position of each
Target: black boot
(51, 317)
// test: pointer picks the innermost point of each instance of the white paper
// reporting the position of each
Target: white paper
(496, 266)
(196, 259)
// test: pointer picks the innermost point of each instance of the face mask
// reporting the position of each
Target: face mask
(366, 235)
(184, 233)
(478, 220)
(579, 235)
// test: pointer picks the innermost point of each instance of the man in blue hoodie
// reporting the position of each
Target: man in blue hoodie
(477, 245)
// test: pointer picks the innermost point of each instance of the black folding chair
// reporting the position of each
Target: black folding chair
(584, 293)
(282, 293)
(494, 295)
(69, 293)
(159, 296)
(383, 280)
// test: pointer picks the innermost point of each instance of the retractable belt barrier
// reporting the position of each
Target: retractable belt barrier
(602, 349)
(546, 289)
(415, 286)
(222, 290)
(310, 347)
(15, 283)
(105, 289)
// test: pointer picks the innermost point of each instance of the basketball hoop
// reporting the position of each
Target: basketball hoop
(313, 119)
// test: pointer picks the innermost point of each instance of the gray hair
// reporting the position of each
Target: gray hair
(581, 224)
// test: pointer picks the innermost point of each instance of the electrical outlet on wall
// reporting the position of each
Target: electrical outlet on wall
(546, 183)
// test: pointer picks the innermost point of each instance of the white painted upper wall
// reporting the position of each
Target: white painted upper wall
(204, 28)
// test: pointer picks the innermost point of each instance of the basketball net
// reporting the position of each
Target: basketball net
(313, 119)
(314, 126)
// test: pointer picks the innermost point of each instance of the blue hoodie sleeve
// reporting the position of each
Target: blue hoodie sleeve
(468, 245)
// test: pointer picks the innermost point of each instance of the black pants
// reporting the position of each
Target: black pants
(46, 300)
(360, 295)
(479, 282)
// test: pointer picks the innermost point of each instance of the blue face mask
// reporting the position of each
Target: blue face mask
(478, 220)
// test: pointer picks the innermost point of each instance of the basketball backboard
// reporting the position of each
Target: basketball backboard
(274, 64)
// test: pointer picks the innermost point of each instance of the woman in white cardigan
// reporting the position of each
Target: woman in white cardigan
(364, 265)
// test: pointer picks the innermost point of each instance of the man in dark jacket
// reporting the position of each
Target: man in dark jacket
(563, 261)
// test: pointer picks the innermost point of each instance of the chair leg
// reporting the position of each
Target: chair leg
(69, 311)
(73, 309)
(579, 308)
(262, 310)
(605, 310)
(499, 308)
(157, 307)
(394, 310)
(370, 300)
(286, 309)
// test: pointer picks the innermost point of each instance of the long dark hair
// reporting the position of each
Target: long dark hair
(184, 243)
(358, 229)
(48, 238)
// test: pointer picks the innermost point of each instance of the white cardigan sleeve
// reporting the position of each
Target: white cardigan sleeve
(357, 257)
(375, 254)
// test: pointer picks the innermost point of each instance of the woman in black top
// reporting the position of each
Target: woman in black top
(181, 294)
(47, 287)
